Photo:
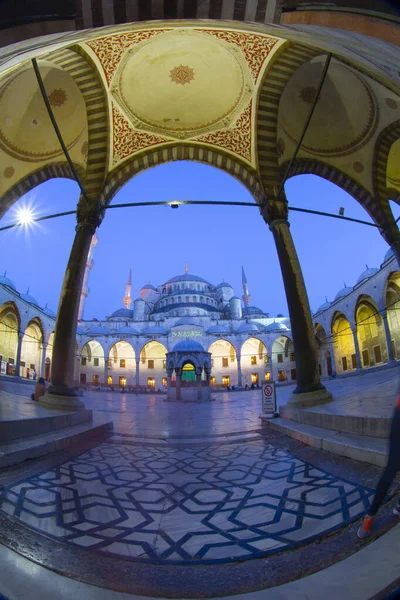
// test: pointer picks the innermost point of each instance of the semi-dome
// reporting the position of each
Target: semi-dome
(123, 312)
(247, 328)
(28, 298)
(97, 330)
(186, 321)
(224, 284)
(6, 281)
(323, 306)
(126, 330)
(276, 327)
(388, 255)
(47, 311)
(369, 272)
(186, 277)
(156, 330)
(148, 286)
(188, 346)
(345, 291)
(219, 328)
(252, 310)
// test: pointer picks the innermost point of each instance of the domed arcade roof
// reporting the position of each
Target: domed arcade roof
(219, 328)
(276, 327)
(6, 281)
(126, 330)
(97, 330)
(388, 254)
(345, 291)
(188, 346)
(247, 328)
(323, 306)
(47, 311)
(28, 298)
(187, 321)
(369, 272)
(156, 330)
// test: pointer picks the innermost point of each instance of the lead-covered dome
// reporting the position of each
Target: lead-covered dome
(156, 330)
(97, 330)
(224, 284)
(47, 311)
(188, 346)
(219, 328)
(323, 306)
(6, 281)
(186, 277)
(345, 291)
(369, 272)
(148, 286)
(247, 328)
(276, 327)
(126, 330)
(28, 298)
(388, 254)
(123, 312)
(252, 310)
(186, 321)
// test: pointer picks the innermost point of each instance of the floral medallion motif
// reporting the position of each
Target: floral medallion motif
(182, 74)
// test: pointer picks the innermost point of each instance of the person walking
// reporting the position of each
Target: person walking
(388, 475)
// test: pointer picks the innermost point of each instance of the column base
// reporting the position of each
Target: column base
(59, 402)
(306, 399)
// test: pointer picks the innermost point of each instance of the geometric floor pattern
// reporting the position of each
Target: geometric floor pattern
(204, 504)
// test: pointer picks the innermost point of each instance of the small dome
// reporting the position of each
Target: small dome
(28, 298)
(276, 327)
(123, 312)
(279, 316)
(156, 330)
(343, 292)
(259, 326)
(126, 330)
(247, 328)
(388, 255)
(97, 330)
(219, 328)
(252, 310)
(186, 321)
(224, 284)
(323, 306)
(49, 312)
(148, 286)
(186, 277)
(80, 331)
(188, 346)
(5, 281)
(367, 274)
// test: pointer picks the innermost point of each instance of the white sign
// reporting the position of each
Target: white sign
(268, 398)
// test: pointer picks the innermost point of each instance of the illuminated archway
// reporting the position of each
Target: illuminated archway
(370, 333)
(9, 326)
(392, 303)
(121, 365)
(92, 364)
(343, 344)
(283, 359)
(324, 353)
(31, 350)
(254, 362)
(152, 365)
(224, 366)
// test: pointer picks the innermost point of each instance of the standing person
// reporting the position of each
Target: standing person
(386, 479)
(40, 390)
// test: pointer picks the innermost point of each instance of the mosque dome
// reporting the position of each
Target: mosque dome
(323, 306)
(156, 330)
(224, 284)
(186, 277)
(247, 328)
(127, 330)
(188, 346)
(80, 331)
(97, 330)
(343, 292)
(49, 312)
(252, 310)
(186, 321)
(369, 272)
(5, 281)
(219, 328)
(388, 255)
(279, 316)
(28, 298)
(276, 327)
(259, 326)
(148, 286)
(123, 312)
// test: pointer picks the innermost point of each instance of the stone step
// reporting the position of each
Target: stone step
(17, 451)
(366, 449)
(232, 438)
(16, 429)
(373, 426)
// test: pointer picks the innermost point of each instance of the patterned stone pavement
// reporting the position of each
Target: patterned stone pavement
(200, 504)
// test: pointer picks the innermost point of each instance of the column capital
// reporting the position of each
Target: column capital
(89, 215)
(275, 211)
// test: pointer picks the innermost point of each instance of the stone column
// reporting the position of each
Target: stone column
(356, 347)
(199, 385)
(239, 358)
(388, 336)
(43, 359)
(105, 371)
(137, 371)
(309, 390)
(61, 393)
(18, 358)
(178, 373)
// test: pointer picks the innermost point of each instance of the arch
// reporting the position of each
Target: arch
(92, 365)
(344, 349)
(172, 152)
(283, 359)
(370, 332)
(391, 301)
(152, 364)
(254, 361)
(121, 364)
(10, 323)
(388, 136)
(324, 353)
(224, 364)
(49, 356)
(31, 349)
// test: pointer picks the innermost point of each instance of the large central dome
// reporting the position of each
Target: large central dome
(186, 277)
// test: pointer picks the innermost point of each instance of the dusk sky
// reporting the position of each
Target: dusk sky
(215, 241)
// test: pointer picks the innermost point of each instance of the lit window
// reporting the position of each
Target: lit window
(95, 362)
(164, 381)
(224, 362)
(291, 357)
(281, 375)
(122, 382)
(267, 376)
(150, 364)
(253, 360)
(212, 381)
(151, 382)
(226, 380)
(280, 358)
(122, 363)
(83, 360)
(109, 380)
(254, 378)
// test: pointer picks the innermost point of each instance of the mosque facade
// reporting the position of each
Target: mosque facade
(359, 329)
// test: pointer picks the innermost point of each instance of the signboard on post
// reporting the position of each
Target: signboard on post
(268, 398)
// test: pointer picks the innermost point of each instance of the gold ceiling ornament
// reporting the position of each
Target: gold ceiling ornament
(182, 74)
(57, 98)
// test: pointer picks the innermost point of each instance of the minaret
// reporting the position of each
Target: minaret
(89, 265)
(246, 296)
(128, 289)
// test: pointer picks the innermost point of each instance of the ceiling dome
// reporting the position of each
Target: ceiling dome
(97, 330)
(343, 292)
(126, 330)
(276, 327)
(156, 330)
(123, 312)
(5, 281)
(219, 328)
(28, 298)
(247, 328)
(186, 277)
(186, 321)
(388, 254)
(369, 272)
(188, 346)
